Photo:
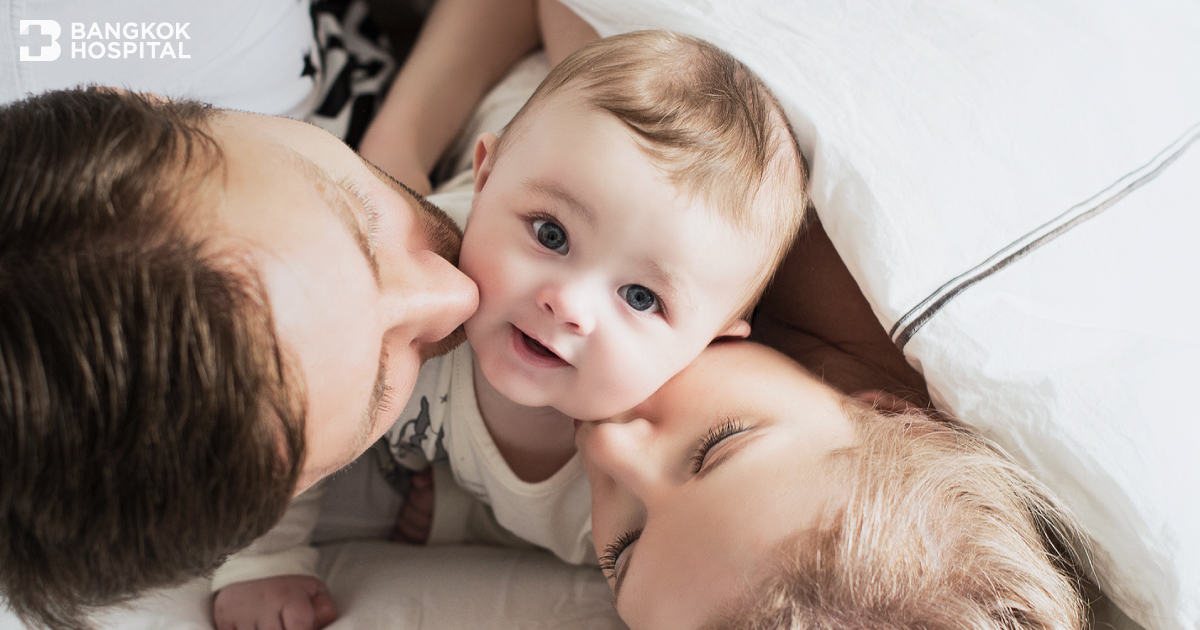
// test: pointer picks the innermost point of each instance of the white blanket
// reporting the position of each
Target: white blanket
(1015, 186)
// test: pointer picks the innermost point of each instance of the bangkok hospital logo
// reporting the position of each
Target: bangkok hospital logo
(111, 40)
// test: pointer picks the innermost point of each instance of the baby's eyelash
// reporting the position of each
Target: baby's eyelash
(715, 435)
(542, 216)
(608, 560)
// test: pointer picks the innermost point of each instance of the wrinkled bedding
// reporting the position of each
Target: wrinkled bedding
(1014, 185)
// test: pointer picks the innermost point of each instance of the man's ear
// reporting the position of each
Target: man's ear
(485, 147)
(738, 329)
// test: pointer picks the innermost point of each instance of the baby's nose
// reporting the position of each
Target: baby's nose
(569, 306)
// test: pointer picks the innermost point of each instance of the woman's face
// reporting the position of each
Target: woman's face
(693, 490)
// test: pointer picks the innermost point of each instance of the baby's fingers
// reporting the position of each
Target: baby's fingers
(312, 612)
(324, 610)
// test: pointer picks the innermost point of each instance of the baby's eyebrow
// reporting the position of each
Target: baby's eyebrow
(668, 284)
(563, 196)
(665, 283)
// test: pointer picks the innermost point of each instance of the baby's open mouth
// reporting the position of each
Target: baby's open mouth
(538, 348)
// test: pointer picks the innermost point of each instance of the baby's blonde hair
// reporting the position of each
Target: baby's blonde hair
(705, 119)
(941, 530)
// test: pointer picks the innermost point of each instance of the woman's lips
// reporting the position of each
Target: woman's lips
(534, 352)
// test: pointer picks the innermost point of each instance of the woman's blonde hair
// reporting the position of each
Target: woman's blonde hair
(940, 529)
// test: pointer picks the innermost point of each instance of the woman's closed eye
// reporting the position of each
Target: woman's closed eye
(717, 434)
(550, 235)
(613, 560)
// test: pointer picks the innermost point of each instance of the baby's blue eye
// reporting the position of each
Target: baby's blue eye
(551, 235)
(638, 297)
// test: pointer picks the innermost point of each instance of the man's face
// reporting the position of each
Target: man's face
(357, 272)
(598, 277)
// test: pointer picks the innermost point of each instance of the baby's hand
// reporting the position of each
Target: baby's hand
(416, 516)
(283, 602)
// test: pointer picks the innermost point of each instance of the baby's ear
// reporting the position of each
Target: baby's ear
(738, 329)
(485, 146)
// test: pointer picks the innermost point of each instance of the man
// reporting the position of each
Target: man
(205, 312)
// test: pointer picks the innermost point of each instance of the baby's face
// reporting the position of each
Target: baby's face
(598, 278)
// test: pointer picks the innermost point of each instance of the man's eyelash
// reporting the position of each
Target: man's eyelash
(608, 560)
(714, 436)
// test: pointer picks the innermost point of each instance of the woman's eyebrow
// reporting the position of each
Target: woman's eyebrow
(728, 451)
(619, 579)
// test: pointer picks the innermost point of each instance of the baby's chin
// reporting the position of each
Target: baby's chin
(599, 408)
(570, 403)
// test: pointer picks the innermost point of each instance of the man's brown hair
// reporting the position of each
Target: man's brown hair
(147, 427)
(940, 530)
(702, 117)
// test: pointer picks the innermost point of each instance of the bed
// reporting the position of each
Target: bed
(1015, 186)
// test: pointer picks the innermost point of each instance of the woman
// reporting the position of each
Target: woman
(748, 493)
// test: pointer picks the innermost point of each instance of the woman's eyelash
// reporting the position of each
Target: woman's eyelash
(714, 436)
(612, 553)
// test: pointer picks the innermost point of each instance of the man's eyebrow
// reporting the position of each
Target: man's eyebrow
(335, 195)
(564, 197)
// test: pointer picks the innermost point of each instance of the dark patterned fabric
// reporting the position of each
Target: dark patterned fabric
(357, 62)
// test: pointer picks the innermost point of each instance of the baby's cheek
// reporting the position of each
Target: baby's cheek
(632, 376)
(488, 271)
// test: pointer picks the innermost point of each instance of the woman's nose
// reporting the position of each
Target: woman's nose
(429, 297)
(568, 304)
(625, 449)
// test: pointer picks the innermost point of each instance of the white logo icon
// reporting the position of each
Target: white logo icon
(45, 53)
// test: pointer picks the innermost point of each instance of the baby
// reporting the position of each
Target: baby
(630, 213)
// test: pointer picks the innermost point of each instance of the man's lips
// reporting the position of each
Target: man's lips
(535, 351)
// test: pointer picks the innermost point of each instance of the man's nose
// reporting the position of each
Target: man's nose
(432, 297)
(567, 302)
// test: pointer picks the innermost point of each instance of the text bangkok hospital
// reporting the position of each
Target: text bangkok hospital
(112, 40)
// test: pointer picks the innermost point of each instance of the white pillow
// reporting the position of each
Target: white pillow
(1015, 184)
(240, 54)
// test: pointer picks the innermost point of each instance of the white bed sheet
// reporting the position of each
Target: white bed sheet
(1015, 185)
(381, 585)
